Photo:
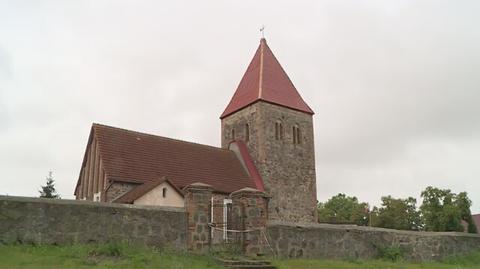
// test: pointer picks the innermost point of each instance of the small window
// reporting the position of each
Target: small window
(278, 130)
(247, 132)
(233, 134)
(164, 192)
(296, 135)
(299, 136)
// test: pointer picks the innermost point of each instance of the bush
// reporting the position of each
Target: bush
(390, 253)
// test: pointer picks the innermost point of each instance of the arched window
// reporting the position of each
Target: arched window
(247, 132)
(278, 130)
(296, 135)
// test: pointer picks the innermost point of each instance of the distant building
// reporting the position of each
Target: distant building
(267, 144)
(476, 219)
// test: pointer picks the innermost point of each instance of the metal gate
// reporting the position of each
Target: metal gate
(227, 227)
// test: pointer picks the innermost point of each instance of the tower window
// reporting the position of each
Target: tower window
(296, 135)
(278, 130)
(164, 192)
(247, 132)
(233, 134)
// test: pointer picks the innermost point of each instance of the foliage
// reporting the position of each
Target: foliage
(400, 214)
(100, 256)
(48, 191)
(343, 209)
(444, 210)
(390, 253)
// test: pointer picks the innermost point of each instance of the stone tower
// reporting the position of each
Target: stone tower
(273, 120)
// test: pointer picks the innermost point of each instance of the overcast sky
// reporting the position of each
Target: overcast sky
(395, 84)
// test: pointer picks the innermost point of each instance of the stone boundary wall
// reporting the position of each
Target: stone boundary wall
(49, 221)
(291, 240)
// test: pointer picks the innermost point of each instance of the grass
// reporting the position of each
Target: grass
(471, 261)
(99, 257)
(122, 256)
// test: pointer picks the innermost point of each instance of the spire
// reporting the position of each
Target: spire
(266, 80)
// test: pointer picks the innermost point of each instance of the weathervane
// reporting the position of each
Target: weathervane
(262, 29)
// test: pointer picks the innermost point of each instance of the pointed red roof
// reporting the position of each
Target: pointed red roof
(266, 80)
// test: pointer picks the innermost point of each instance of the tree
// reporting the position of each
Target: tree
(400, 214)
(48, 191)
(444, 210)
(464, 204)
(343, 209)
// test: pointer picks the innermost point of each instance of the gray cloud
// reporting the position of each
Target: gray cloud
(394, 84)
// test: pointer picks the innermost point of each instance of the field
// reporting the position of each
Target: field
(125, 257)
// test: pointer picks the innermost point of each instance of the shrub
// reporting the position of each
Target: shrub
(390, 253)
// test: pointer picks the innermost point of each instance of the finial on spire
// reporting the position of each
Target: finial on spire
(262, 30)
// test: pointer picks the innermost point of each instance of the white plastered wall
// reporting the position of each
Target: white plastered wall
(155, 197)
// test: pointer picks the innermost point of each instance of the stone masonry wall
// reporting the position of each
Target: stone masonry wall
(49, 221)
(347, 241)
(250, 213)
(287, 169)
(117, 189)
(197, 203)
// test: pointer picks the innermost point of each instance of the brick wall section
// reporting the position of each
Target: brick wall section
(197, 202)
(250, 211)
(342, 242)
(49, 221)
(287, 169)
(117, 189)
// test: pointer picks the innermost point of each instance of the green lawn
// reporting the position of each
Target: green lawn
(122, 256)
(98, 257)
(467, 262)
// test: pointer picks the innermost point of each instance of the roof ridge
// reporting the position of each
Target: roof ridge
(158, 136)
(260, 75)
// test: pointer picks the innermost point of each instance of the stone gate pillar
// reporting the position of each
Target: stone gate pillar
(250, 207)
(197, 205)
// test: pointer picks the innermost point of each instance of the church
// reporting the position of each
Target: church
(267, 145)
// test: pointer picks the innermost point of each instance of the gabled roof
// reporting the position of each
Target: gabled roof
(143, 189)
(266, 80)
(142, 158)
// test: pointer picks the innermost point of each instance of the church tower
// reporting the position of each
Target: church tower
(273, 120)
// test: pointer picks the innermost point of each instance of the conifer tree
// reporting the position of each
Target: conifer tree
(48, 191)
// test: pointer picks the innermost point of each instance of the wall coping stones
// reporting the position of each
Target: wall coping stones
(5, 198)
(198, 186)
(365, 229)
(248, 192)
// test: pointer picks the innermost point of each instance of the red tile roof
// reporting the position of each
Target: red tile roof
(265, 80)
(249, 164)
(139, 157)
